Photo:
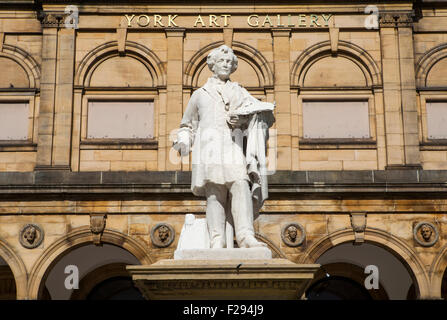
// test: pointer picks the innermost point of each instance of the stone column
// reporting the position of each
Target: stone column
(281, 56)
(399, 90)
(64, 99)
(50, 24)
(174, 86)
(56, 103)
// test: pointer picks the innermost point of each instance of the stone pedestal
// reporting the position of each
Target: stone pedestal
(224, 277)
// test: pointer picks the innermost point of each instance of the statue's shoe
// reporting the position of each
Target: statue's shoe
(251, 242)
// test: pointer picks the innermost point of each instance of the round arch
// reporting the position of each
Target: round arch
(244, 52)
(348, 50)
(109, 50)
(75, 239)
(17, 267)
(24, 60)
(427, 61)
(437, 270)
(382, 239)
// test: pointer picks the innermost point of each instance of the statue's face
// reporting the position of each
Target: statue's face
(222, 66)
(163, 233)
(292, 232)
(30, 235)
(426, 232)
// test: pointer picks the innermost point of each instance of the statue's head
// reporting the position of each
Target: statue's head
(163, 233)
(30, 234)
(292, 233)
(222, 62)
(426, 232)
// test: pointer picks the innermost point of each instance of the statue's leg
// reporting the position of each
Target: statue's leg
(216, 196)
(242, 211)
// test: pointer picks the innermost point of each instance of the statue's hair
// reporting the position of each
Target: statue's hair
(223, 49)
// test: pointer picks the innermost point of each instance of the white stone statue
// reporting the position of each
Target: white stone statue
(230, 174)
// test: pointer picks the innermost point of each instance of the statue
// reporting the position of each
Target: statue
(229, 172)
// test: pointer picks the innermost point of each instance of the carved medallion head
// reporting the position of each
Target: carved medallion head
(425, 234)
(293, 234)
(31, 236)
(162, 235)
(222, 62)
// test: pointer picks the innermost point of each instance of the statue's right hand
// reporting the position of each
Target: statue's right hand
(182, 148)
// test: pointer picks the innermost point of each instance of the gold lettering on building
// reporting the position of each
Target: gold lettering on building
(267, 20)
(171, 22)
(213, 19)
(157, 20)
(253, 20)
(223, 20)
(314, 21)
(145, 17)
(129, 19)
(199, 20)
(326, 19)
(226, 16)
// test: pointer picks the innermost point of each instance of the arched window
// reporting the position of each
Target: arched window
(19, 85)
(116, 103)
(334, 95)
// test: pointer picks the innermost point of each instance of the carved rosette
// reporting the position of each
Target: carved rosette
(31, 236)
(396, 19)
(162, 235)
(97, 226)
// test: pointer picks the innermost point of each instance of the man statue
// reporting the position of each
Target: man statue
(231, 174)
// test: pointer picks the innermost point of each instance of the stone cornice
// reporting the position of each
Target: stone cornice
(63, 183)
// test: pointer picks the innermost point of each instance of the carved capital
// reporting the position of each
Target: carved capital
(396, 19)
(52, 19)
(97, 226)
(358, 223)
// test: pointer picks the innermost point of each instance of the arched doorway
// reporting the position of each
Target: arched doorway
(88, 259)
(444, 286)
(108, 282)
(399, 266)
(76, 249)
(344, 267)
(342, 281)
(7, 282)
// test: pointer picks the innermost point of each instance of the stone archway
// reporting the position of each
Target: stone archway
(17, 267)
(383, 239)
(438, 270)
(73, 240)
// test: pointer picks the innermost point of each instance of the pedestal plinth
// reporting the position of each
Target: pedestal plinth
(224, 278)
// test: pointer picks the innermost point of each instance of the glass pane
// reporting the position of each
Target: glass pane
(120, 120)
(335, 119)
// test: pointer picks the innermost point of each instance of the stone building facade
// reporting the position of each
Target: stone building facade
(91, 91)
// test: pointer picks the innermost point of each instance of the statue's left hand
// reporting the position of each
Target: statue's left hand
(237, 120)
